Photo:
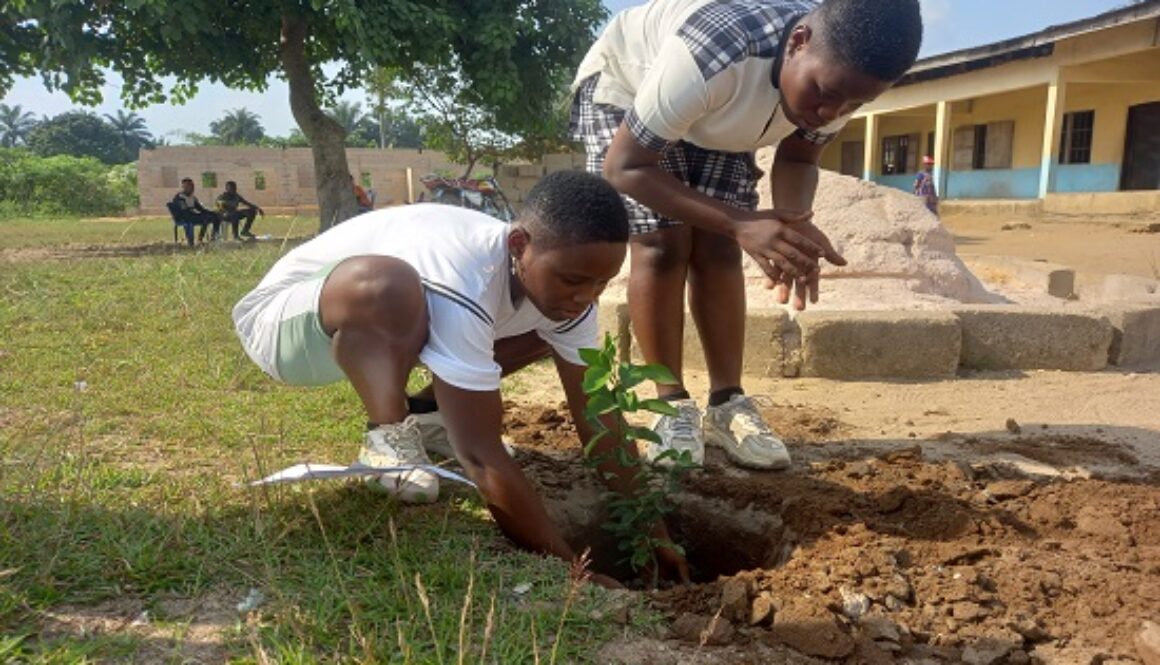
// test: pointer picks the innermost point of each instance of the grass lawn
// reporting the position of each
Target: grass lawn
(130, 418)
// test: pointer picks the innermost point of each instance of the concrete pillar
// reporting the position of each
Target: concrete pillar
(1052, 128)
(410, 185)
(942, 145)
(870, 154)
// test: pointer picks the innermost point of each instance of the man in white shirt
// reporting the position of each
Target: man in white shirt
(671, 103)
(469, 296)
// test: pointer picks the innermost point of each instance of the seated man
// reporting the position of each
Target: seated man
(190, 210)
(229, 204)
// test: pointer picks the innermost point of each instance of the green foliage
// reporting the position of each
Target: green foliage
(63, 185)
(238, 127)
(132, 130)
(79, 134)
(15, 125)
(609, 384)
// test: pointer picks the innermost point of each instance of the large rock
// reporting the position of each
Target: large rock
(894, 245)
(900, 255)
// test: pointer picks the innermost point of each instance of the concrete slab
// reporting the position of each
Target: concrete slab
(1011, 337)
(879, 344)
(1050, 278)
(1130, 288)
(769, 349)
(1136, 334)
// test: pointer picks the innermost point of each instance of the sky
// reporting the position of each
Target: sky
(950, 25)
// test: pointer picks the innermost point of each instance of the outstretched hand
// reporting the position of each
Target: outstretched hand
(805, 287)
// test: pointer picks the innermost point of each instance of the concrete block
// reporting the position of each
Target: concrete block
(1012, 337)
(851, 345)
(557, 162)
(1135, 334)
(531, 170)
(508, 171)
(769, 348)
(580, 161)
(1050, 278)
(764, 353)
(1130, 288)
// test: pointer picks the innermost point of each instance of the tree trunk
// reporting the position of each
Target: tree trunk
(336, 202)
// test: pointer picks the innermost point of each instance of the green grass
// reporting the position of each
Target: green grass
(130, 419)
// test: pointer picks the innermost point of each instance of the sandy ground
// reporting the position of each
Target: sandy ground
(1093, 249)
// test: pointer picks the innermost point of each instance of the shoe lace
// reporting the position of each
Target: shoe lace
(684, 424)
(744, 408)
(404, 439)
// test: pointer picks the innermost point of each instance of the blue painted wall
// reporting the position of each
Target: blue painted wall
(993, 184)
(1016, 183)
(1087, 178)
(905, 182)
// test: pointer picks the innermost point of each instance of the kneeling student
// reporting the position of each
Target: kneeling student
(472, 298)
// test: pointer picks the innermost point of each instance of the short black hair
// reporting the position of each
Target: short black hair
(231, 182)
(879, 38)
(185, 180)
(574, 208)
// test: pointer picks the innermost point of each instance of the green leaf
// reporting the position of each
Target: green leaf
(600, 403)
(592, 358)
(663, 407)
(596, 378)
(644, 433)
(658, 373)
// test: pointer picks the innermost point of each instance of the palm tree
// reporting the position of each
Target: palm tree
(348, 114)
(238, 127)
(15, 125)
(131, 127)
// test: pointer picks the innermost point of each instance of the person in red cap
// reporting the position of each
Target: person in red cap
(924, 185)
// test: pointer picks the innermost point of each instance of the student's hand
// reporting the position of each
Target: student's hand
(772, 239)
(603, 580)
(672, 563)
(805, 287)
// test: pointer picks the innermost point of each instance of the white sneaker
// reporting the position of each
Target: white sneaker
(434, 435)
(738, 428)
(394, 445)
(681, 433)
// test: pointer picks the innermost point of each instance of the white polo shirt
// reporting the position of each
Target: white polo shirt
(702, 71)
(461, 256)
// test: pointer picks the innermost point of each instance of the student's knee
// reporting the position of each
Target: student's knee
(662, 251)
(714, 251)
(376, 291)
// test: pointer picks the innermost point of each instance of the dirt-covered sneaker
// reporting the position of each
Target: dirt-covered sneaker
(394, 445)
(434, 435)
(738, 428)
(681, 432)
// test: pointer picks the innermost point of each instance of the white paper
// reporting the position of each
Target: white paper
(311, 471)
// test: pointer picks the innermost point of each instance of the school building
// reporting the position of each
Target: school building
(1067, 118)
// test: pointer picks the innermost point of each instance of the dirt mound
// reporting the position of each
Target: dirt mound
(891, 558)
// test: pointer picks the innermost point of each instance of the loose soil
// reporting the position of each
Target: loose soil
(946, 550)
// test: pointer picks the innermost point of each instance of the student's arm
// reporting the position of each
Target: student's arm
(616, 477)
(794, 181)
(769, 236)
(473, 420)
